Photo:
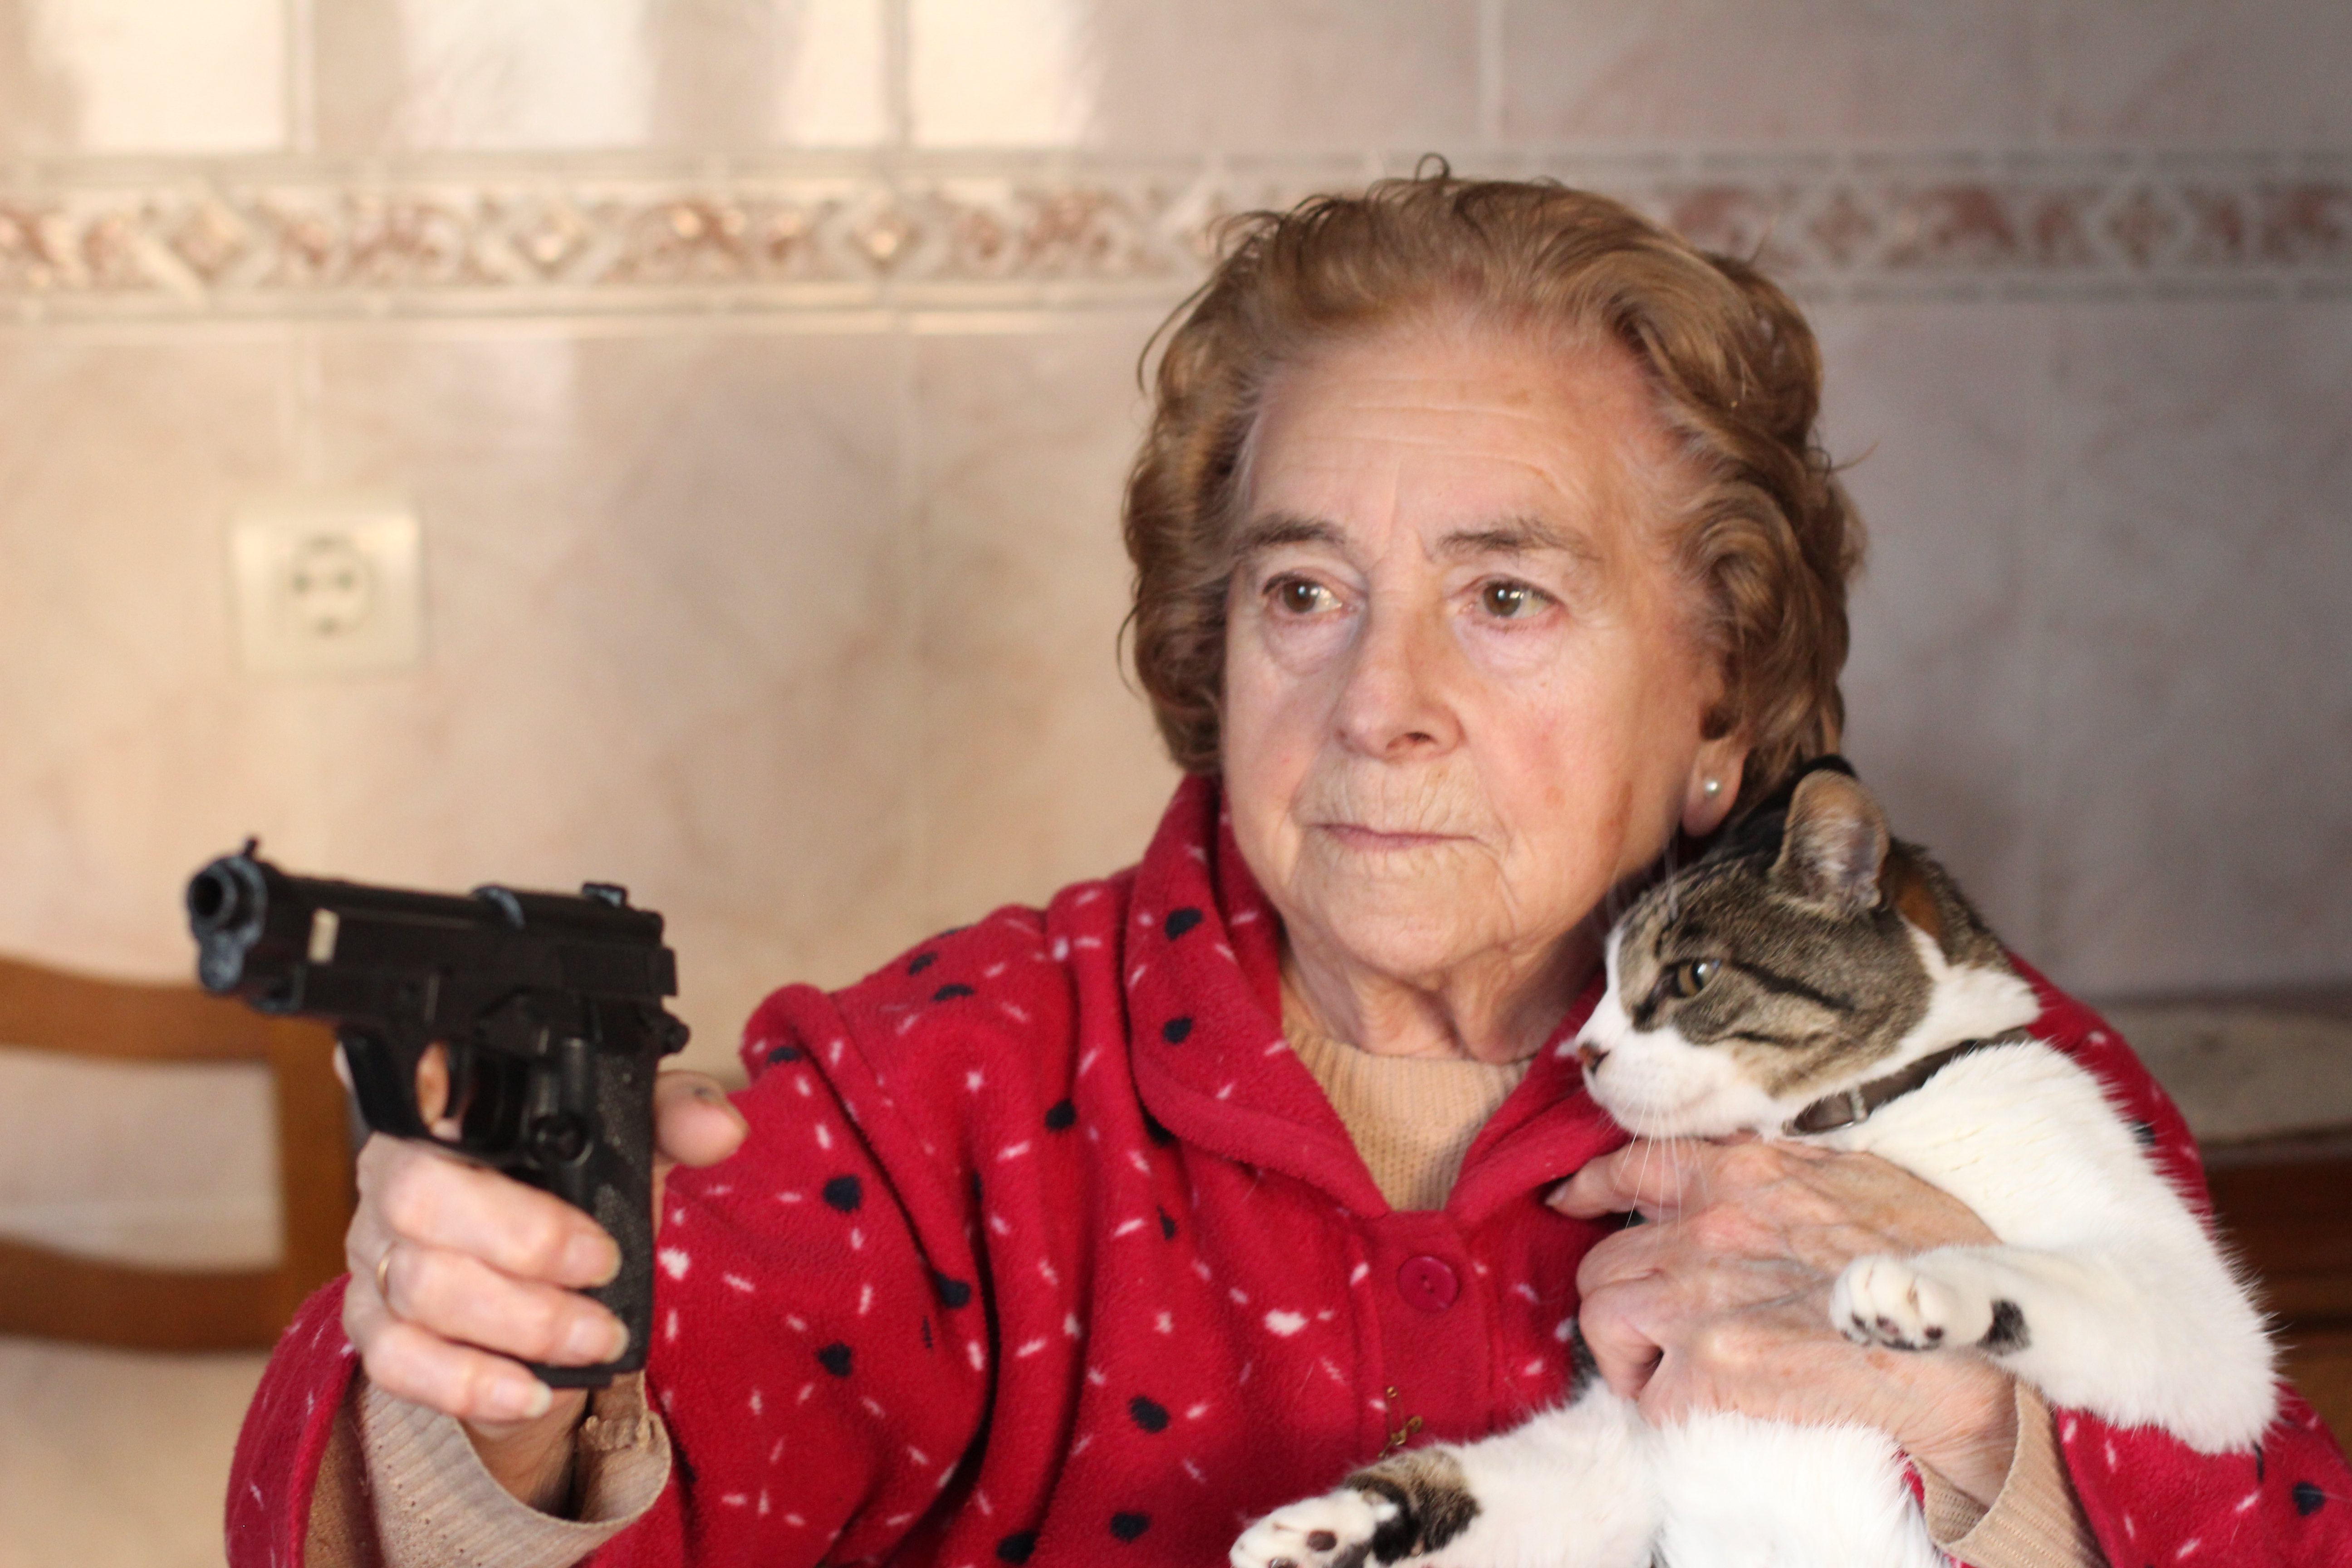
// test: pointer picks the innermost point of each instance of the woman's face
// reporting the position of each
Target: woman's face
(1462, 692)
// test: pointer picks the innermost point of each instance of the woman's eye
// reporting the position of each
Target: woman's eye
(1507, 601)
(1689, 977)
(1300, 596)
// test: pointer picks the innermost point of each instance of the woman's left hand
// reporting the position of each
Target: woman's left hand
(1723, 1302)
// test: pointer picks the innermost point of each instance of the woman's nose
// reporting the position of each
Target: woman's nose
(1392, 705)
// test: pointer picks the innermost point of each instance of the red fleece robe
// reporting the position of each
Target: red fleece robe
(1044, 1249)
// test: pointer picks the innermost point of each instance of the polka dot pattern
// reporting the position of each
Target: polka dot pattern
(987, 1190)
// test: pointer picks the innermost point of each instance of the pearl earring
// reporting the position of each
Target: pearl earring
(1712, 788)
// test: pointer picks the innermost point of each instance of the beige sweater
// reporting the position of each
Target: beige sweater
(1411, 1117)
(403, 1487)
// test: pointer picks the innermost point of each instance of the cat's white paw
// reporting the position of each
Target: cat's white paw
(1907, 1304)
(1334, 1531)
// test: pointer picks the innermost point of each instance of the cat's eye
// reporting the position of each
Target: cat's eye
(1689, 977)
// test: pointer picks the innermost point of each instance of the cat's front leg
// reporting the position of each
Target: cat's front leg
(1909, 1304)
(1402, 1508)
(1334, 1531)
(1571, 1488)
(2138, 1334)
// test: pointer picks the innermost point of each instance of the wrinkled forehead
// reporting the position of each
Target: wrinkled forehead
(1461, 417)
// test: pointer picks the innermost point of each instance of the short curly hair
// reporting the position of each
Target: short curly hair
(1766, 533)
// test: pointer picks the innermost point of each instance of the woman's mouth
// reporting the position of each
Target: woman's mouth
(1375, 841)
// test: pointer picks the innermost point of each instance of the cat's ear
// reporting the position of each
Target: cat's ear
(1833, 845)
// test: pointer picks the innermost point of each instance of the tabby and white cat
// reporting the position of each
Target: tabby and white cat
(1813, 979)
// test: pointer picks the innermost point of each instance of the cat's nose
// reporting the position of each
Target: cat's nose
(1590, 1055)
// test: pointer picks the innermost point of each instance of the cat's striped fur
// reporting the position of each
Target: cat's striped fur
(1808, 956)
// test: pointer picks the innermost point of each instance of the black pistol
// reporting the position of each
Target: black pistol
(549, 1005)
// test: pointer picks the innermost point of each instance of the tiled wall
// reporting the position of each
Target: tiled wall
(764, 374)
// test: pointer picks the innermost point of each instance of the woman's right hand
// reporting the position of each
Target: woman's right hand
(478, 1271)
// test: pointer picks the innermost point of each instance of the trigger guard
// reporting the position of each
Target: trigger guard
(386, 1094)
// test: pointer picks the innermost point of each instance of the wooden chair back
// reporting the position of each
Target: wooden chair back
(58, 1295)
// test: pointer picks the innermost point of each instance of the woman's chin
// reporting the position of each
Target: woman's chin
(1391, 931)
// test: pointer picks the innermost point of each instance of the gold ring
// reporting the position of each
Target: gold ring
(383, 1276)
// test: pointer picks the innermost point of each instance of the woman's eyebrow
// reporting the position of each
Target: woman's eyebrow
(1516, 536)
(1286, 528)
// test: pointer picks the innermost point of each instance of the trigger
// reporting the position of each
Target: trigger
(457, 1073)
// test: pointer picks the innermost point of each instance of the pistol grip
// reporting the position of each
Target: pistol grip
(613, 1184)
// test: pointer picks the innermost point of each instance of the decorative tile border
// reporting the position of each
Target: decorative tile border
(567, 236)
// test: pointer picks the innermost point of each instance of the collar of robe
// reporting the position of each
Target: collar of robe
(1203, 978)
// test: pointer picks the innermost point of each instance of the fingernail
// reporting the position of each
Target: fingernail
(520, 1399)
(595, 1339)
(714, 1097)
(594, 1259)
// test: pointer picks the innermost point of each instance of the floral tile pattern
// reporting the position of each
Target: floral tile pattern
(937, 231)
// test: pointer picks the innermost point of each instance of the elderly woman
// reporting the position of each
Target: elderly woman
(1485, 553)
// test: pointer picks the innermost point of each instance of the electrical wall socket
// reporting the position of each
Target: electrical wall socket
(327, 585)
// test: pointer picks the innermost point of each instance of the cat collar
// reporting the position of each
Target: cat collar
(1849, 1106)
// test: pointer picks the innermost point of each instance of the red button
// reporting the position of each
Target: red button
(1428, 1283)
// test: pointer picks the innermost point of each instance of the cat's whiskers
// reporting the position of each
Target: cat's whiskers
(1633, 1216)
(1674, 1153)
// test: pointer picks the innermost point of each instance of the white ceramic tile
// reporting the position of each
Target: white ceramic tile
(141, 77)
(757, 73)
(2233, 73)
(1042, 766)
(1938, 410)
(1725, 74)
(134, 752)
(36, 93)
(559, 74)
(455, 74)
(116, 1459)
(1374, 75)
(832, 91)
(1017, 73)
(668, 642)
(2200, 652)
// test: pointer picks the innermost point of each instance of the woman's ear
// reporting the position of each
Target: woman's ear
(1713, 785)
